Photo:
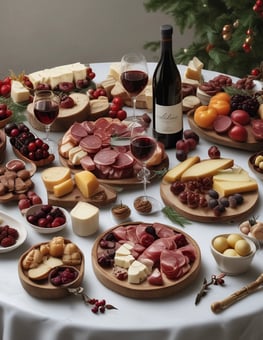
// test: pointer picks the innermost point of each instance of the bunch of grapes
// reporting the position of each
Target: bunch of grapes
(246, 103)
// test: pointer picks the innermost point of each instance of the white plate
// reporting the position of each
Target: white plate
(7, 220)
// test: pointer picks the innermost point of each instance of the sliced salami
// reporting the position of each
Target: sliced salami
(106, 157)
(257, 129)
(123, 161)
(87, 163)
(222, 124)
(91, 144)
(77, 132)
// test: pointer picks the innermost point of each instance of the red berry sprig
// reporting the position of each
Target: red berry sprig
(217, 280)
(5, 87)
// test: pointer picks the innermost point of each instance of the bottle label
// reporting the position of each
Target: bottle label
(168, 119)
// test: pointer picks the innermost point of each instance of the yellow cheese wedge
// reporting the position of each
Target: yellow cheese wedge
(54, 176)
(115, 70)
(208, 167)
(232, 175)
(226, 188)
(86, 182)
(64, 188)
(18, 92)
(176, 172)
(85, 219)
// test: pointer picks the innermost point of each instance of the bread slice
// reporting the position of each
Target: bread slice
(176, 172)
(208, 167)
(40, 272)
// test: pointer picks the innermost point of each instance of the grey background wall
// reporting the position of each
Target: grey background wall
(37, 34)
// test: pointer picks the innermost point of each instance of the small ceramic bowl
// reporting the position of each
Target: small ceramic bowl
(35, 209)
(233, 265)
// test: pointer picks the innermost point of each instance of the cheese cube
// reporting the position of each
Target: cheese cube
(79, 71)
(86, 182)
(54, 176)
(124, 250)
(137, 272)
(64, 188)
(19, 93)
(123, 261)
(85, 219)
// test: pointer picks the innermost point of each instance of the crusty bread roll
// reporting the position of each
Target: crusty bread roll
(56, 246)
(32, 259)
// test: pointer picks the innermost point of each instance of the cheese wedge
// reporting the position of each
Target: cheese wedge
(208, 167)
(137, 272)
(86, 182)
(64, 188)
(226, 188)
(232, 175)
(19, 93)
(54, 176)
(85, 219)
(176, 172)
(115, 70)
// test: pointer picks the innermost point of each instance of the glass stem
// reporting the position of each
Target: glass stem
(145, 179)
(47, 132)
(134, 108)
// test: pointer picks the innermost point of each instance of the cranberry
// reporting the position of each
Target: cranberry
(214, 152)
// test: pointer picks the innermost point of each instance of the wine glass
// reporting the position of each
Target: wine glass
(46, 109)
(134, 78)
(142, 148)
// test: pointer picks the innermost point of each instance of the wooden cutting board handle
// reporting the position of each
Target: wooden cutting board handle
(219, 306)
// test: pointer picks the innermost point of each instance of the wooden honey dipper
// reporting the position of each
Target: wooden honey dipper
(219, 306)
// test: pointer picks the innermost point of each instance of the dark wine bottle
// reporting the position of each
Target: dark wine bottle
(167, 94)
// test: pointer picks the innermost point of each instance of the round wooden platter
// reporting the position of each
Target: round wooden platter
(251, 145)
(102, 197)
(121, 181)
(207, 215)
(13, 196)
(144, 290)
(44, 289)
(66, 117)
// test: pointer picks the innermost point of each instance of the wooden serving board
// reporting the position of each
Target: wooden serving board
(222, 139)
(70, 200)
(207, 215)
(120, 181)
(144, 290)
(44, 289)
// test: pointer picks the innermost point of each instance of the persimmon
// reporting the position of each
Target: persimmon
(222, 96)
(204, 116)
(221, 106)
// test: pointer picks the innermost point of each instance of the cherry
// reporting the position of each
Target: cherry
(214, 152)
(32, 146)
(121, 114)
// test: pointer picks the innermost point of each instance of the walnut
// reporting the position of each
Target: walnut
(121, 211)
(142, 205)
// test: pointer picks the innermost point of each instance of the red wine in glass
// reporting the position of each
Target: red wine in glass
(134, 82)
(143, 147)
(46, 111)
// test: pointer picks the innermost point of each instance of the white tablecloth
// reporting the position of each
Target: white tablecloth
(25, 317)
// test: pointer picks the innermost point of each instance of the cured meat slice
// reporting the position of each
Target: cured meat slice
(89, 126)
(189, 251)
(162, 231)
(171, 262)
(131, 234)
(156, 277)
(222, 124)
(102, 123)
(257, 129)
(123, 160)
(106, 157)
(120, 233)
(153, 252)
(91, 144)
(87, 163)
(143, 236)
(77, 132)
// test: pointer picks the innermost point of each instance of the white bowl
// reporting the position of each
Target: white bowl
(233, 265)
(45, 230)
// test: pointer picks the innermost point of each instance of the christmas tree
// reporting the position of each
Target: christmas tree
(228, 33)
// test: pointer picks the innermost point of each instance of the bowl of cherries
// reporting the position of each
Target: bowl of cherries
(46, 218)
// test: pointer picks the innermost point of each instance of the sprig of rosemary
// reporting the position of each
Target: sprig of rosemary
(174, 216)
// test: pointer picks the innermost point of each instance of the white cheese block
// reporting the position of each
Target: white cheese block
(78, 156)
(123, 261)
(115, 70)
(19, 93)
(85, 219)
(79, 71)
(137, 272)
(124, 250)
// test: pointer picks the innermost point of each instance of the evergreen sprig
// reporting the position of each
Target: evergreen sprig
(174, 216)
